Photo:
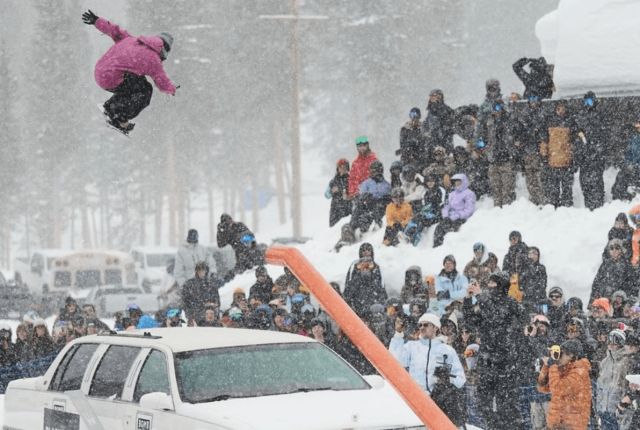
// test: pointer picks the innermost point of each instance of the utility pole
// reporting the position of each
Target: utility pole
(296, 170)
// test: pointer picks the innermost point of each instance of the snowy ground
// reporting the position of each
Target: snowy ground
(571, 240)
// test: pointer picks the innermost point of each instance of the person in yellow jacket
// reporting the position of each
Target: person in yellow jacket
(399, 214)
(558, 152)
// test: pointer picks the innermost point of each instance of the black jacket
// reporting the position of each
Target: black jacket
(232, 235)
(516, 259)
(533, 283)
(412, 146)
(614, 275)
(339, 208)
(625, 234)
(538, 81)
(532, 130)
(22, 351)
(596, 131)
(437, 128)
(500, 323)
(262, 291)
(361, 291)
(195, 292)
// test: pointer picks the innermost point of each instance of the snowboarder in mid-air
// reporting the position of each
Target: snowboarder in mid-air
(123, 68)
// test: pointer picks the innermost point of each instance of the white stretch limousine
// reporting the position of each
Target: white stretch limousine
(202, 378)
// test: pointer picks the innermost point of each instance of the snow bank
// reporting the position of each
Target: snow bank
(593, 44)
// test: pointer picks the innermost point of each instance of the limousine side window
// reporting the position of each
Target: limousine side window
(71, 370)
(110, 376)
(154, 377)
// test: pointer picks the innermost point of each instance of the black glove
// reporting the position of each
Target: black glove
(551, 362)
(89, 18)
(443, 295)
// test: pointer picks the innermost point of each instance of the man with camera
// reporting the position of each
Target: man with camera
(565, 374)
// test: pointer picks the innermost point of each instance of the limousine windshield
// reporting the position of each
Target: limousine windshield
(261, 370)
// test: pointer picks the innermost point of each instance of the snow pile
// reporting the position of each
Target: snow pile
(593, 45)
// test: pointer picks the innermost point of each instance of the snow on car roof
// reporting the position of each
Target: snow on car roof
(180, 339)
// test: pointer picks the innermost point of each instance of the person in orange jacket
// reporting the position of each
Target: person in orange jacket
(634, 216)
(567, 379)
(399, 214)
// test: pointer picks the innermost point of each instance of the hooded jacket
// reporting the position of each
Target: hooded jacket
(360, 171)
(363, 290)
(570, 389)
(187, 257)
(559, 147)
(614, 275)
(611, 383)
(137, 55)
(516, 259)
(437, 127)
(376, 268)
(462, 201)
(408, 291)
(425, 354)
(533, 281)
(453, 285)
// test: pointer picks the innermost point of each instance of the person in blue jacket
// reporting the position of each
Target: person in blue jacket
(450, 284)
(423, 356)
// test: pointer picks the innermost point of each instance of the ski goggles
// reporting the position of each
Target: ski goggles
(413, 114)
(235, 316)
(634, 218)
(534, 98)
(173, 313)
(469, 353)
(588, 102)
(572, 328)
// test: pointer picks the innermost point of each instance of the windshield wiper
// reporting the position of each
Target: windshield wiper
(220, 397)
(306, 390)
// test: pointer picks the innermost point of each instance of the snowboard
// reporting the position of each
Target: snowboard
(111, 126)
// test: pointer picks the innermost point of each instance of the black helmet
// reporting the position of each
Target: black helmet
(376, 166)
(573, 347)
(397, 192)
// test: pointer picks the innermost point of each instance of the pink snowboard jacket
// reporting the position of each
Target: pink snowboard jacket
(140, 56)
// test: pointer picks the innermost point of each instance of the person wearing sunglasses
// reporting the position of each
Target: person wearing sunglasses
(421, 357)
(615, 273)
(594, 136)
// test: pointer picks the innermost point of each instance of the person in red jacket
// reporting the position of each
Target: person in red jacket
(122, 70)
(360, 166)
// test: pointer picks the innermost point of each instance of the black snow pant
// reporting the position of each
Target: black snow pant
(391, 234)
(629, 175)
(129, 98)
(559, 182)
(592, 185)
(366, 211)
(445, 226)
(498, 398)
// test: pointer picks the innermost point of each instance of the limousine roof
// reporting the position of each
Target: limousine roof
(180, 339)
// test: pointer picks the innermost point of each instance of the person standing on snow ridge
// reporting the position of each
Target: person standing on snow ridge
(629, 174)
(594, 135)
(538, 80)
(530, 134)
(615, 273)
(337, 192)
(558, 152)
(123, 68)
(412, 150)
(533, 281)
(360, 166)
(437, 127)
(460, 207)
(189, 255)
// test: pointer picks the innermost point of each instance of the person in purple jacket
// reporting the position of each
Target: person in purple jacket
(461, 205)
(122, 70)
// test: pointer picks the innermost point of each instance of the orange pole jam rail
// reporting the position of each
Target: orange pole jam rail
(361, 336)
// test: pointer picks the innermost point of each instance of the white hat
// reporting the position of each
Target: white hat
(430, 318)
(39, 322)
